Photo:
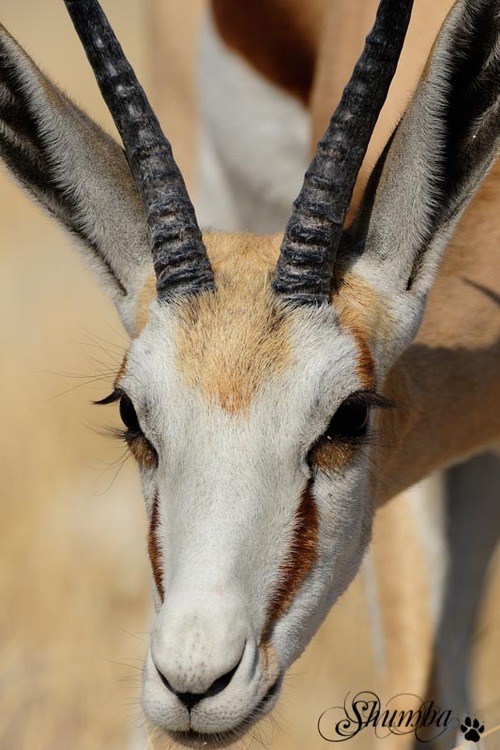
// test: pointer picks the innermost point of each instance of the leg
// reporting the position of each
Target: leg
(472, 533)
(407, 567)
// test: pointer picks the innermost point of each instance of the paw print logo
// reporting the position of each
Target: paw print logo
(472, 730)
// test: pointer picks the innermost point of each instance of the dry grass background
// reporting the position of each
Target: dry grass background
(74, 585)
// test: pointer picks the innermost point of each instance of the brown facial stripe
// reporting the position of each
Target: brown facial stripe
(362, 312)
(277, 41)
(154, 550)
(299, 561)
(365, 366)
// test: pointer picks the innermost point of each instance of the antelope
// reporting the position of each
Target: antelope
(281, 65)
(262, 367)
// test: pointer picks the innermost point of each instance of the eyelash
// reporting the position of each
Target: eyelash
(138, 444)
(359, 400)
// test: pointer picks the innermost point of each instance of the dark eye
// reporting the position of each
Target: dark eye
(350, 421)
(139, 445)
(128, 415)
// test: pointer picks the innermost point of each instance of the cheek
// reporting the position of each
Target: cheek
(149, 487)
(346, 511)
(344, 517)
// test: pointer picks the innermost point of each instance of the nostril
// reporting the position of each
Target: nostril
(189, 700)
(221, 682)
(166, 682)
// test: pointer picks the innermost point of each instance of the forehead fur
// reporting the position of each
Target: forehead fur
(229, 343)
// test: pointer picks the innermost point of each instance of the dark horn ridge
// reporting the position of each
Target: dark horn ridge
(179, 255)
(305, 267)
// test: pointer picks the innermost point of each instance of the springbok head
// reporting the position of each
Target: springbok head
(257, 363)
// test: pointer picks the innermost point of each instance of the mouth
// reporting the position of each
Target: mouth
(194, 739)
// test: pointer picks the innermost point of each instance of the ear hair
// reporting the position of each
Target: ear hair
(437, 157)
(77, 172)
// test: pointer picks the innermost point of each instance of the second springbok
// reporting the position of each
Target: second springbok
(279, 387)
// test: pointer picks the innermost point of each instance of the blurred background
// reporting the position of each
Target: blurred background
(74, 579)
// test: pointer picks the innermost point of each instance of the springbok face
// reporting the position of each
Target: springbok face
(257, 364)
(253, 419)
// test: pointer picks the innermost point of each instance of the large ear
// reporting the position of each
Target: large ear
(432, 166)
(77, 172)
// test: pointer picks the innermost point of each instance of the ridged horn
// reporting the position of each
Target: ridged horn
(305, 267)
(180, 258)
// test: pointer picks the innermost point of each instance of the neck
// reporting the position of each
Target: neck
(447, 384)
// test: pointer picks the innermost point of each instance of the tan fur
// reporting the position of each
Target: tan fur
(229, 344)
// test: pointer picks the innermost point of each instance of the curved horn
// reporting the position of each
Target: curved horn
(180, 258)
(305, 267)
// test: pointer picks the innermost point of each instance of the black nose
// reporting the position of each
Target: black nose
(189, 700)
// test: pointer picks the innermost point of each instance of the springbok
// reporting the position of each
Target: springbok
(263, 368)
(280, 65)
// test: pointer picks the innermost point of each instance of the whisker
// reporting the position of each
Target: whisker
(119, 463)
(86, 382)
